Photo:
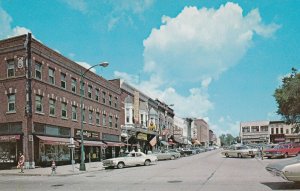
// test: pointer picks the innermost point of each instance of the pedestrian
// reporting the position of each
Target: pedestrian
(21, 162)
(262, 153)
(53, 168)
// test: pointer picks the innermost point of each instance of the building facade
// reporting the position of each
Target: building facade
(42, 93)
(254, 132)
(202, 131)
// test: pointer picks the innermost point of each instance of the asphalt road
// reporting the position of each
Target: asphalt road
(205, 171)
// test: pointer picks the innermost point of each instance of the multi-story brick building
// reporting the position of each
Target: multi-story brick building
(40, 93)
(254, 132)
(202, 131)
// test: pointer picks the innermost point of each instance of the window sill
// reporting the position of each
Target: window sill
(75, 120)
(64, 118)
(39, 113)
(54, 116)
(11, 112)
(98, 125)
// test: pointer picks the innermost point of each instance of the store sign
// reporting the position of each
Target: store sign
(9, 138)
(142, 136)
(89, 134)
(136, 106)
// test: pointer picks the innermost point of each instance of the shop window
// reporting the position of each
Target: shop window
(39, 128)
(64, 110)
(38, 70)
(63, 82)
(73, 85)
(11, 68)
(52, 108)
(11, 103)
(38, 103)
(50, 152)
(74, 112)
(51, 75)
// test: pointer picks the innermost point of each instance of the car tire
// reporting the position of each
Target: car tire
(185, 155)
(147, 162)
(172, 157)
(285, 155)
(120, 165)
(252, 156)
(239, 155)
(226, 154)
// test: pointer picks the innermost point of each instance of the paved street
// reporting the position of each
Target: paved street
(205, 171)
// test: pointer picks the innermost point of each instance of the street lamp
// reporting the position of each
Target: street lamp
(103, 64)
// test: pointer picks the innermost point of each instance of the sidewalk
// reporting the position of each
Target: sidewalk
(64, 170)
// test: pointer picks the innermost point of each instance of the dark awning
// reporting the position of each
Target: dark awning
(92, 143)
(114, 144)
(54, 140)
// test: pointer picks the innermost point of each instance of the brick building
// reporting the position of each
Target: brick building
(40, 95)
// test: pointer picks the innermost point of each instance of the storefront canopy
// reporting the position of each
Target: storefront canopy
(114, 144)
(92, 143)
(196, 142)
(54, 140)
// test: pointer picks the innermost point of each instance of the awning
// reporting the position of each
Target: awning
(178, 140)
(196, 142)
(164, 143)
(54, 140)
(92, 143)
(114, 144)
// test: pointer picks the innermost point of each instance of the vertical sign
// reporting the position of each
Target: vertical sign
(136, 106)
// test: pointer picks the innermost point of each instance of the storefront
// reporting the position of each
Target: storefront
(53, 148)
(113, 145)
(10, 145)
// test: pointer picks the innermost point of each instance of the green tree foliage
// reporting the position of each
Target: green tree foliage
(227, 139)
(287, 97)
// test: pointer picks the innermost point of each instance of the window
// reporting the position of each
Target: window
(117, 121)
(11, 102)
(142, 119)
(52, 107)
(104, 119)
(127, 116)
(64, 110)
(38, 70)
(83, 115)
(90, 117)
(281, 130)
(110, 121)
(97, 118)
(82, 88)
(276, 130)
(38, 103)
(74, 112)
(287, 131)
(264, 128)
(90, 91)
(272, 131)
(73, 85)
(116, 102)
(51, 74)
(109, 100)
(11, 68)
(97, 94)
(103, 97)
(63, 83)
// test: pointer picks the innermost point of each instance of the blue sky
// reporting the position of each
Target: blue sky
(216, 60)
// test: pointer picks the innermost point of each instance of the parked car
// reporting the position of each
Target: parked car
(166, 155)
(239, 151)
(197, 150)
(132, 159)
(288, 169)
(282, 150)
(183, 151)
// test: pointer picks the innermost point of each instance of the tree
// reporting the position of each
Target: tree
(227, 139)
(287, 97)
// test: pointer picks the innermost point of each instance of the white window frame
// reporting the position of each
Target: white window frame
(38, 70)
(11, 66)
(90, 117)
(11, 100)
(39, 104)
(90, 89)
(51, 75)
(64, 109)
(52, 105)
(63, 80)
(74, 112)
(97, 118)
(73, 85)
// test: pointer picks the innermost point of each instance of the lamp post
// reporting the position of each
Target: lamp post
(103, 64)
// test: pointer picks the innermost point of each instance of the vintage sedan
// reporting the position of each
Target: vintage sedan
(288, 169)
(132, 159)
(239, 151)
(166, 155)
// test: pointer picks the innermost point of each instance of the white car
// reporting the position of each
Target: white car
(132, 159)
(239, 151)
(288, 169)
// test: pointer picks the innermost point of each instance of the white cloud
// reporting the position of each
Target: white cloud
(225, 125)
(197, 46)
(6, 29)
(86, 65)
(78, 5)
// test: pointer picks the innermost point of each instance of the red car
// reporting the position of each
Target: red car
(283, 150)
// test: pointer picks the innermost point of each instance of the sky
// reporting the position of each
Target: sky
(217, 60)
